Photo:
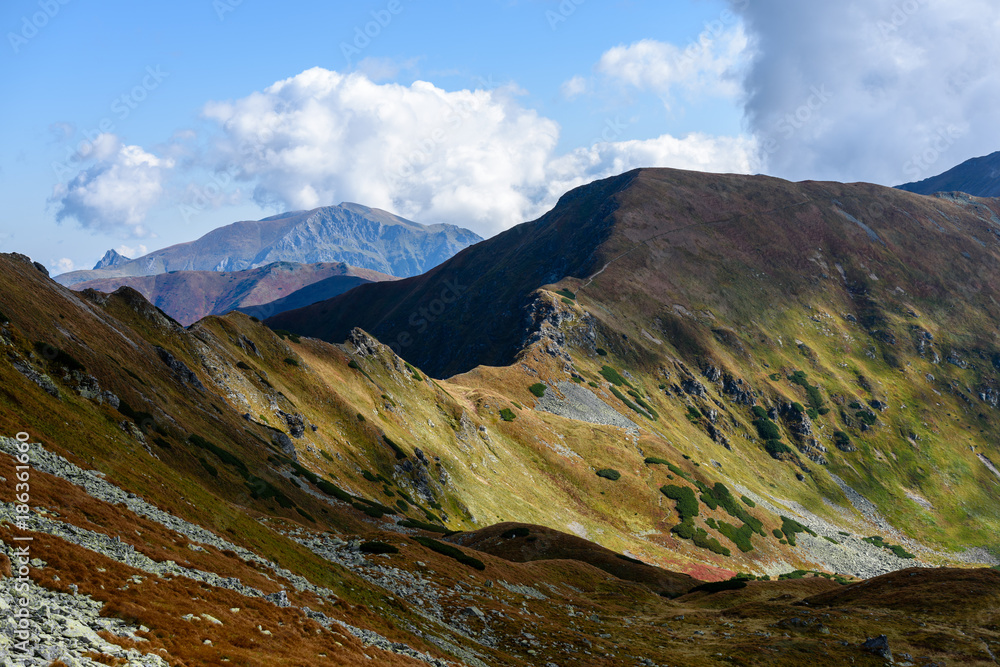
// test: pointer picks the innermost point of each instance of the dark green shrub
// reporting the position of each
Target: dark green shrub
(566, 293)
(677, 471)
(609, 473)
(401, 504)
(57, 356)
(243, 365)
(767, 429)
(377, 548)
(777, 533)
(613, 376)
(225, 456)
(813, 413)
(710, 522)
(790, 527)
(305, 515)
(361, 417)
(507, 415)
(370, 510)
(654, 460)
(538, 389)
(593, 384)
(759, 412)
(693, 414)
(703, 540)
(370, 477)
(414, 371)
(283, 335)
(684, 530)
(748, 502)
(776, 448)
(738, 536)
(291, 362)
(687, 503)
(830, 539)
(397, 450)
(160, 442)
(867, 416)
(798, 407)
(824, 411)
(855, 405)
(261, 489)
(3, 318)
(841, 439)
(212, 470)
(775, 376)
(602, 352)
(331, 489)
(353, 364)
(451, 552)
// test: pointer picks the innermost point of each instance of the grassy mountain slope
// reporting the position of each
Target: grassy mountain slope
(188, 296)
(301, 451)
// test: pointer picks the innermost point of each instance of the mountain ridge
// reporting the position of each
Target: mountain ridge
(979, 177)
(357, 235)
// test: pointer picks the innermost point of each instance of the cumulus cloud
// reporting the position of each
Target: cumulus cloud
(116, 191)
(470, 157)
(710, 66)
(64, 265)
(878, 90)
(131, 252)
(574, 87)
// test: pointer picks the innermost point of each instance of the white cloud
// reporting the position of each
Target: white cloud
(64, 265)
(575, 87)
(697, 152)
(710, 66)
(472, 158)
(876, 90)
(116, 191)
(131, 252)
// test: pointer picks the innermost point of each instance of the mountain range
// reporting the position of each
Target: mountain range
(682, 418)
(188, 296)
(360, 236)
(979, 177)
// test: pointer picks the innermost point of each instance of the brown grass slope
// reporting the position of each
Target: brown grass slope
(674, 237)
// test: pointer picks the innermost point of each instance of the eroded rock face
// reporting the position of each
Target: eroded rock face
(180, 370)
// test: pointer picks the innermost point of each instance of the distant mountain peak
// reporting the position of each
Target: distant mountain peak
(979, 177)
(111, 258)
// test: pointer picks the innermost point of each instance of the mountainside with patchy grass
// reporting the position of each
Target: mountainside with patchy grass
(188, 296)
(700, 410)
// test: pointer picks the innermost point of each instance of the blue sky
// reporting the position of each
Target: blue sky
(474, 113)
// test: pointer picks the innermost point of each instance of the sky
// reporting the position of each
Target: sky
(135, 126)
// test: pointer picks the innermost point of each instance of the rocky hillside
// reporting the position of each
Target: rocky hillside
(979, 177)
(363, 237)
(228, 493)
(188, 296)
